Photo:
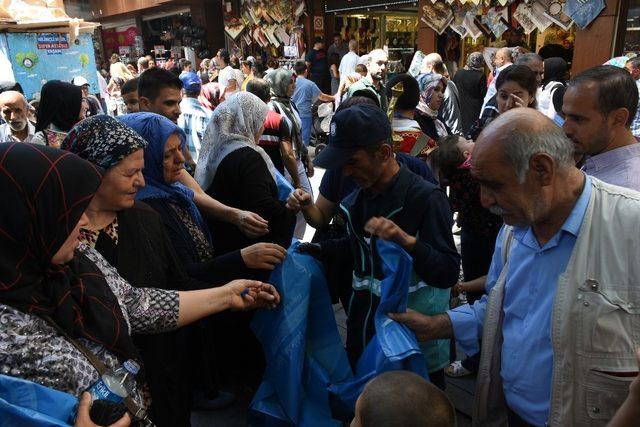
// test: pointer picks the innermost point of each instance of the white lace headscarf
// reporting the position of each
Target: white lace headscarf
(235, 124)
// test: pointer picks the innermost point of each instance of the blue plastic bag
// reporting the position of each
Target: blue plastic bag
(394, 347)
(27, 404)
(302, 346)
(284, 187)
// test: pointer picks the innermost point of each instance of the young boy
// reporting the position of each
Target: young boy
(129, 92)
(403, 399)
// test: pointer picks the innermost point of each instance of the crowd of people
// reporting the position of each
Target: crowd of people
(144, 224)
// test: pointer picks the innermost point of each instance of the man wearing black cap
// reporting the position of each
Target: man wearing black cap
(390, 203)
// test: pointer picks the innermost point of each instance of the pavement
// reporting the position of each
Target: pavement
(459, 390)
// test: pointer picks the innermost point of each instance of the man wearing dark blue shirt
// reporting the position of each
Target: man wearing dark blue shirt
(391, 203)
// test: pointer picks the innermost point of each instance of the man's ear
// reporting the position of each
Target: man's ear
(144, 103)
(619, 117)
(386, 151)
(543, 168)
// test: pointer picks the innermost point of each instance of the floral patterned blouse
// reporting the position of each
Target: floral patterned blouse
(30, 348)
(205, 252)
(90, 237)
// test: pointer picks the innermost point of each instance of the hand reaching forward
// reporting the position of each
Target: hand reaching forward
(251, 224)
(250, 294)
(388, 230)
(263, 256)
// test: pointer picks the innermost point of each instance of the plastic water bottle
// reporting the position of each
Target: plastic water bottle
(115, 385)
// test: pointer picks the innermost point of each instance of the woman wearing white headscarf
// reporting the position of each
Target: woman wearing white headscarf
(238, 173)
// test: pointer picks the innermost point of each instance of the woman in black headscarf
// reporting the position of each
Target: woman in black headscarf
(46, 278)
(61, 107)
(555, 75)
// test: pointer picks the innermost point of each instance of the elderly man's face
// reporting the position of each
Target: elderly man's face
(14, 109)
(500, 190)
(589, 130)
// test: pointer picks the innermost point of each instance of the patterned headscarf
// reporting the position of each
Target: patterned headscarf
(210, 95)
(475, 61)
(45, 192)
(103, 141)
(235, 124)
(428, 83)
(157, 129)
(280, 80)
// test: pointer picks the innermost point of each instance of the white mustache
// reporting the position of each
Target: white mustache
(497, 210)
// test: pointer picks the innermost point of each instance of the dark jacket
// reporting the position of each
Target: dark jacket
(144, 257)
(421, 209)
(472, 87)
(244, 182)
(428, 126)
(450, 113)
(216, 271)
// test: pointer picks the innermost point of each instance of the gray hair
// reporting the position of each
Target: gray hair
(527, 58)
(519, 146)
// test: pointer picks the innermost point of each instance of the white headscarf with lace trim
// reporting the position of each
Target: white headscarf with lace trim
(235, 124)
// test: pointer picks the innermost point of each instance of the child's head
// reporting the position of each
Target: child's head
(452, 151)
(403, 399)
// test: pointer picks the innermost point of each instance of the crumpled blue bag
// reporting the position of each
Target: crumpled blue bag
(302, 347)
(394, 347)
(284, 187)
(27, 404)
(583, 11)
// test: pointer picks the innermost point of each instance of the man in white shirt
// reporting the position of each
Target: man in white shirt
(14, 109)
(226, 77)
(349, 61)
(502, 59)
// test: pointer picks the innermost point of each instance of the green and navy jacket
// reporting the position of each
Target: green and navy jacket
(422, 210)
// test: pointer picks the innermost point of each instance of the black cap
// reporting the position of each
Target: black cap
(352, 129)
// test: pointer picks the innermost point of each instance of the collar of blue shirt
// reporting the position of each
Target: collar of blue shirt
(571, 225)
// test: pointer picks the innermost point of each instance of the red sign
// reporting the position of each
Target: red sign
(112, 39)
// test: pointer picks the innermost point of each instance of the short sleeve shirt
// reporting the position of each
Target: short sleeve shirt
(305, 95)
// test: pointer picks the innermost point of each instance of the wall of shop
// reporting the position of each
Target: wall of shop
(595, 45)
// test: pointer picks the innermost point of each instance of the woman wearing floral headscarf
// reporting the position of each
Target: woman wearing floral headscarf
(472, 87)
(131, 237)
(432, 88)
(52, 289)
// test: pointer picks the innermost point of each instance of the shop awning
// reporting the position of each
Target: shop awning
(40, 16)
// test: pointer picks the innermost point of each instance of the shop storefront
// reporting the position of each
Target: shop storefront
(629, 40)
(461, 28)
(392, 26)
(266, 28)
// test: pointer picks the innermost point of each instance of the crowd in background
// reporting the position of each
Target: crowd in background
(188, 184)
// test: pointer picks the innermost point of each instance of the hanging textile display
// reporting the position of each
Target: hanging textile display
(584, 11)
(473, 18)
(269, 24)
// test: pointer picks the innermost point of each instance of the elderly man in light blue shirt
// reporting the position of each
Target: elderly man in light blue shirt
(599, 107)
(524, 164)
